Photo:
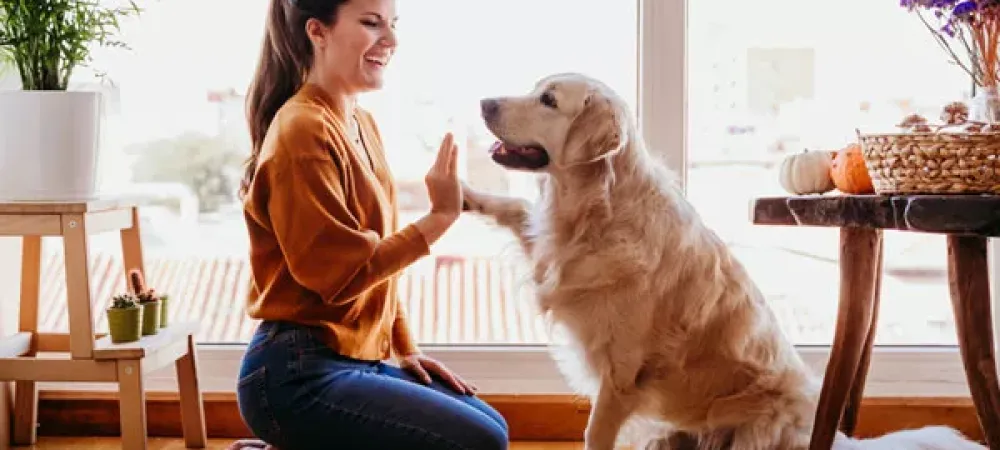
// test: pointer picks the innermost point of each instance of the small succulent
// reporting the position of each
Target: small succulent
(123, 301)
(143, 294)
(147, 296)
(136, 280)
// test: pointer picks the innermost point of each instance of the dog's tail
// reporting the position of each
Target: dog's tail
(927, 438)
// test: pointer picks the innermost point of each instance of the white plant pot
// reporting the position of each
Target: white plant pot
(49, 144)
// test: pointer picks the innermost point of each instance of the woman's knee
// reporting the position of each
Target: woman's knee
(470, 426)
(485, 432)
(492, 413)
(499, 437)
(486, 435)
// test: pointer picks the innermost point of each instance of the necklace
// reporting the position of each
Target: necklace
(356, 129)
(359, 146)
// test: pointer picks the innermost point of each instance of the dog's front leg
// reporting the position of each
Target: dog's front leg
(608, 413)
(508, 212)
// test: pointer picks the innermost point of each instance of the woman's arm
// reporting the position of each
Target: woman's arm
(325, 246)
(434, 224)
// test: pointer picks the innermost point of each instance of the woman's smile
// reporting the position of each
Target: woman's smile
(376, 61)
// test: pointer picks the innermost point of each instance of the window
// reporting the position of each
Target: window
(768, 87)
(176, 131)
(722, 90)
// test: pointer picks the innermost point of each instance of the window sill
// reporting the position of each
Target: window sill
(529, 370)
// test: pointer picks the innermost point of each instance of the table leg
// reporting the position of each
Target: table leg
(968, 281)
(858, 264)
(25, 426)
(850, 420)
(192, 407)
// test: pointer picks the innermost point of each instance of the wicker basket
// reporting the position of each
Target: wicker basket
(933, 163)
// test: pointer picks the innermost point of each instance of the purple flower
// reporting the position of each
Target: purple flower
(966, 7)
(948, 29)
(970, 19)
(928, 4)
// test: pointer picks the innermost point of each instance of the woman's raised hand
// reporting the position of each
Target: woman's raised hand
(443, 186)
(444, 190)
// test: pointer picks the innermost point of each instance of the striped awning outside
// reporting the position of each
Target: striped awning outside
(449, 299)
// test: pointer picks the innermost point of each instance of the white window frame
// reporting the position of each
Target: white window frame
(895, 371)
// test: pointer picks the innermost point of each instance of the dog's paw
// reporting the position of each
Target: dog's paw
(472, 200)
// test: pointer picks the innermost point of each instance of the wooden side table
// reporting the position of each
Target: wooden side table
(81, 356)
(967, 221)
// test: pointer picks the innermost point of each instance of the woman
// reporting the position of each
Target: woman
(325, 250)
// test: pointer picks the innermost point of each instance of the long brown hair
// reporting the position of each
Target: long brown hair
(286, 55)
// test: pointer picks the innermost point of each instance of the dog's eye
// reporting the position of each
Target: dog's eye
(548, 99)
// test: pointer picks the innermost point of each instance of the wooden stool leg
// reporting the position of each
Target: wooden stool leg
(5, 416)
(858, 253)
(850, 420)
(78, 295)
(26, 392)
(132, 404)
(192, 409)
(25, 413)
(968, 281)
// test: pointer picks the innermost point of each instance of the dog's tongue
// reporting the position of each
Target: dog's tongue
(518, 157)
(497, 147)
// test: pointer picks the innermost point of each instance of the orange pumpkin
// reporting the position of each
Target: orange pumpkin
(849, 173)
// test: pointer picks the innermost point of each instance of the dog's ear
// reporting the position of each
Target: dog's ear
(596, 133)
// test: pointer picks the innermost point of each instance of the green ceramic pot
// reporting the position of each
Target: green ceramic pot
(164, 303)
(124, 324)
(150, 317)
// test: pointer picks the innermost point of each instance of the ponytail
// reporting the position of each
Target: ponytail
(285, 58)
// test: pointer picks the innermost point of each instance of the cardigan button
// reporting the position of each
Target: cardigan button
(384, 345)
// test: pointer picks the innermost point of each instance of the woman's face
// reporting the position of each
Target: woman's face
(354, 51)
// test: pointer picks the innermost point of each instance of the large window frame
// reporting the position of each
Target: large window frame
(895, 371)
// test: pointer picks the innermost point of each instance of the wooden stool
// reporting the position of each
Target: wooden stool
(90, 358)
(5, 415)
(967, 221)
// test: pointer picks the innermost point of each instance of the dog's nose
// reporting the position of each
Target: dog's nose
(489, 107)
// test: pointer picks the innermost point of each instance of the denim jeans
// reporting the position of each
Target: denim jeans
(296, 393)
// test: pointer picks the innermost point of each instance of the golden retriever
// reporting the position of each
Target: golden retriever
(666, 329)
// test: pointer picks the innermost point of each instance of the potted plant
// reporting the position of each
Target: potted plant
(148, 301)
(50, 134)
(150, 304)
(164, 302)
(124, 319)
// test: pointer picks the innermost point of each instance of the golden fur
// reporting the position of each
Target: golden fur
(664, 325)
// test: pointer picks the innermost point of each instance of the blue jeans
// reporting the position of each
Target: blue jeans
(296, 393)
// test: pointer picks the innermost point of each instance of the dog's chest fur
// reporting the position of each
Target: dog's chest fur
(589, 265)
(579, 251)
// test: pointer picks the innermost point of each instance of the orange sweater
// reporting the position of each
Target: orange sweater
(324, 245)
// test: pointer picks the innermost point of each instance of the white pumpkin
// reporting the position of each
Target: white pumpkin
(806, 173)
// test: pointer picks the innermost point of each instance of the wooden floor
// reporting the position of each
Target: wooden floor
(52, 443)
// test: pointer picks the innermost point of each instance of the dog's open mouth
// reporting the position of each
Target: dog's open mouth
(530, 157)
